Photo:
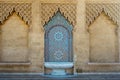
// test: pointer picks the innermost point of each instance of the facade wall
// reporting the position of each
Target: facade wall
(95, 34)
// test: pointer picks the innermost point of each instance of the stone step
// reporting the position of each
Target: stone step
(82, 76)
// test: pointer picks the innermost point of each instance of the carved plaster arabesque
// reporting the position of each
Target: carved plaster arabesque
(21, 9)
(93, 10)
(49, 9)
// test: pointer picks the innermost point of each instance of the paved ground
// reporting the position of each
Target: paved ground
(82, 76)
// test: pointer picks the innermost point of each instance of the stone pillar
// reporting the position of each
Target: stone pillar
(36, 39)
(118, 32)
(80, 37)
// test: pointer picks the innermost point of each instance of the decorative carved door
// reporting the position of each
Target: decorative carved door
(58, 40)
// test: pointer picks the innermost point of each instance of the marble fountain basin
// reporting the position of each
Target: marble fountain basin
(58, 68)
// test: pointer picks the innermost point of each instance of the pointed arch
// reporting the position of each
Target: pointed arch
(57, 18)
(93, 10)
(103, 40)
(99, 14)
(11, 14)
(58, 39)
(14, 40)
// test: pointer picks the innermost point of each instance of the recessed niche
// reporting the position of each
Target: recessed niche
(103, 40)
(14, 39)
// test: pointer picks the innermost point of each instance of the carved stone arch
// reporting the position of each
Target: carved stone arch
(99, 14)
(11, 14)
(14, 39)
(93, 10)
(23, 10)
(58, 27)
(103, 40)
(106, 14)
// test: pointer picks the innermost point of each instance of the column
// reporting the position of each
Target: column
(36, 39)
(80, 37)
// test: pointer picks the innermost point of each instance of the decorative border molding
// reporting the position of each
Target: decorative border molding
(93, 10)
(15, 63)
(103, 63)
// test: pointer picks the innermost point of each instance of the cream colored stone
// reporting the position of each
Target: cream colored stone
(103, 40)
(103, 1)
(80, 35)
(14, 40)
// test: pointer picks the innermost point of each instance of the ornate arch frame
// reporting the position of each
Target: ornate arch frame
(58, 20)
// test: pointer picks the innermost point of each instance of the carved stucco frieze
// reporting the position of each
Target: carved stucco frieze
(49, 9)
(21, 9)
(93, 10)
